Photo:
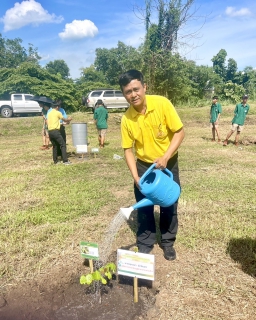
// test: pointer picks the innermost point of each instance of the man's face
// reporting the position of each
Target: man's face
(214, 100)
(245, 100)
(134, 92)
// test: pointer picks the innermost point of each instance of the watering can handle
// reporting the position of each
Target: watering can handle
(146, 173)
(168, 172)
(151, 168)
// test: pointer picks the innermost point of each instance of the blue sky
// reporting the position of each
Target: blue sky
(72, 29)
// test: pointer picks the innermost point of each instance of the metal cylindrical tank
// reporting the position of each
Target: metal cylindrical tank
(79, 133)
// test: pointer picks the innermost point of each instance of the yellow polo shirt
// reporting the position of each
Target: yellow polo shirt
(151, 133)
(53, 119)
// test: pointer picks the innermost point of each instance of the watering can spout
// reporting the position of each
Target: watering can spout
(126, 212)
(143, 203)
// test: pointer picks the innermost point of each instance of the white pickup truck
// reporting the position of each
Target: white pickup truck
(20, 103)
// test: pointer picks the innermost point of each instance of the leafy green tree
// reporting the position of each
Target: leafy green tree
(219, 63)
(112, 62)
(169, 76)
(153, 40)
(172, 15)
(204, 80)
(233, 91)
(247, 78)
(231, 69)
(247, 75)
(58, 67)
(167, 73)
(12, 53)
(31, 78)
(92, 75)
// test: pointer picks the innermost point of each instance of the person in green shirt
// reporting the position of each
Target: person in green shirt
(241, 110)
(215, 112)
(100, 119)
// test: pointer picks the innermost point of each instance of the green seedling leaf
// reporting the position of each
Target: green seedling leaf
(108, 275)
(99, 275)
(112, 267)
(96, 275)
(88, 279)
(83, 280)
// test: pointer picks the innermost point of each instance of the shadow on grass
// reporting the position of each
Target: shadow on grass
(208, 138)
(243, 250)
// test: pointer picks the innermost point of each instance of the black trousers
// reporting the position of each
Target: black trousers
(168, 223)
(63, 134)
(58, 142)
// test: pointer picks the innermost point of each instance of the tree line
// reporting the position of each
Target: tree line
(166, 71)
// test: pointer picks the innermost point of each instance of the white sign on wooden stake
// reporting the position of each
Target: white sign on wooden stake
(135, 264)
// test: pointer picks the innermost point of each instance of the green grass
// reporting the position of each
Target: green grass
(44, 207)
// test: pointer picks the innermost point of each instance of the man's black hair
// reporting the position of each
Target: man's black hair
(99, 102)
(215, 97)
(130, 75)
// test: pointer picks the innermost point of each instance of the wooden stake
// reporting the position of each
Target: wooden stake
(135, 289)
(91, 265)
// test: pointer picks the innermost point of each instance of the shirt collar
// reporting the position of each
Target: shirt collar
(150, 107)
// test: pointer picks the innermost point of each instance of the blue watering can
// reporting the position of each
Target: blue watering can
(158, 188)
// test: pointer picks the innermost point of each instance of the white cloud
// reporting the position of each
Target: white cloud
(232, 12)
(79, 29)
(25, 13)
(44, 57)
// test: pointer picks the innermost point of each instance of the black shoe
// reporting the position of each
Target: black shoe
(169, 253)
(145, 249)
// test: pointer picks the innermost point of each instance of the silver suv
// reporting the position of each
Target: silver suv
(111, 98)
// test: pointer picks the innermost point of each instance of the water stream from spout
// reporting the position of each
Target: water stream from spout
(105, 246)
(119, 219)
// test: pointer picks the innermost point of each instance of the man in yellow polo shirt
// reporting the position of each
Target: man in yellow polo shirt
(152, 128)
(53, 122)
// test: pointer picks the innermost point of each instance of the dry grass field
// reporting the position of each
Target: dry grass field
(46, 210)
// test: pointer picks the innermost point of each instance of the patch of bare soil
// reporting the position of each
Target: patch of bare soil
(213, 282)
(248, 140)
(60, 296)
(203, 283)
